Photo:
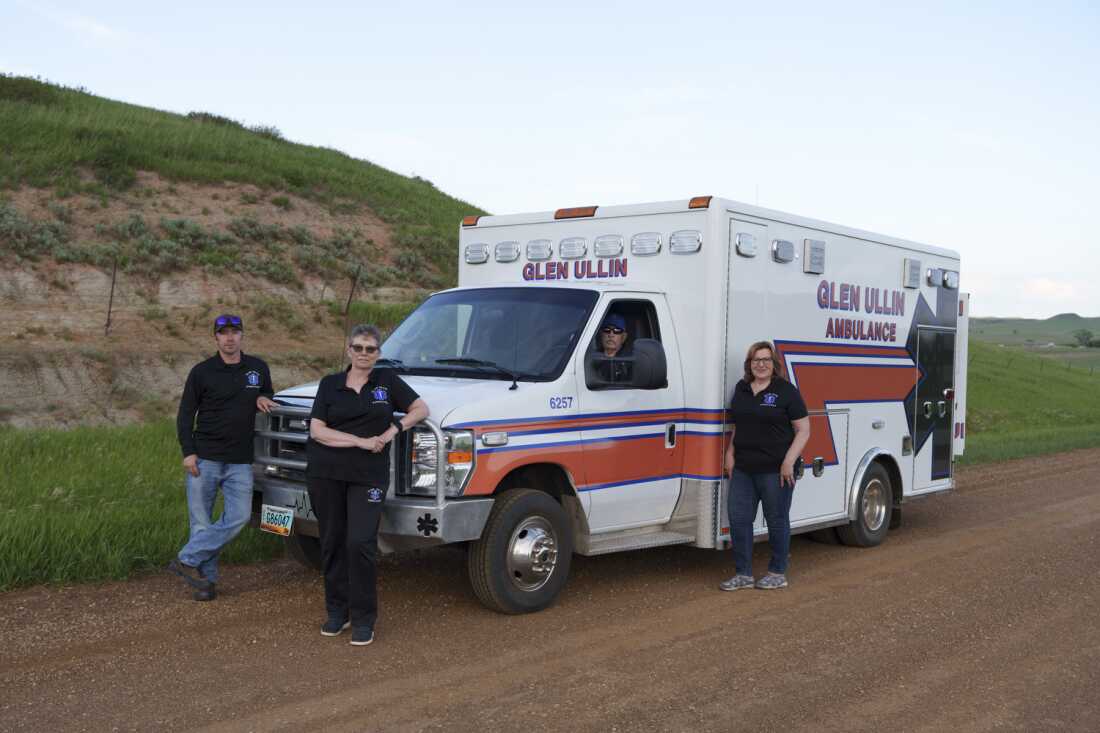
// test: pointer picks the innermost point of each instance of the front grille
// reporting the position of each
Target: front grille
(281, 446)
(281, 439)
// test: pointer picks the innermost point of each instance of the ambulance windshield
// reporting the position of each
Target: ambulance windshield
(491, 333)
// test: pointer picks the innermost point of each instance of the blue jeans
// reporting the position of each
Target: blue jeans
(207, 536)
(746, 491)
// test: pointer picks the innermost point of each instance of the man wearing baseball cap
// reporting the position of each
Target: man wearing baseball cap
(613, 334)
(613, 337)
(215, 423)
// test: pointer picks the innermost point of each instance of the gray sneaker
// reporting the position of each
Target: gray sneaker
(772, 581)
(737, 582)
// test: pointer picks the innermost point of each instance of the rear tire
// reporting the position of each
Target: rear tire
(521, 562)
(305, 549)
(874, 508)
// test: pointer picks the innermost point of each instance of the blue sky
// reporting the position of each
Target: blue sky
(972, 128)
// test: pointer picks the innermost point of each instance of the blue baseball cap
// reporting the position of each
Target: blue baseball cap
(615, 321)
(228, 321)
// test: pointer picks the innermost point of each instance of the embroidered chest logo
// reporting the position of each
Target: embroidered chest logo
(374, 495)
(769, 399)
(380, 394)
(252, 378)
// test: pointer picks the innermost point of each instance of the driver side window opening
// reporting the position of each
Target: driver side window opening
(638, 320)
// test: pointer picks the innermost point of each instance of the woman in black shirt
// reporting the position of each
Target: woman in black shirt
(770, 429)
(348, 472)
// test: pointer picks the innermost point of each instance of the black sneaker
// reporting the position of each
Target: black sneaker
(208, 593)
(191, 575)
(362, 635)
(334, 626)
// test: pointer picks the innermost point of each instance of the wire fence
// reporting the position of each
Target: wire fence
(1047, 363)
(69, 303)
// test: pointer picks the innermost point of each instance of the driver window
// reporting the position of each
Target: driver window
(609, 362)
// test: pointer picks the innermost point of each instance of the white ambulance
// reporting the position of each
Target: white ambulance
(539, 447)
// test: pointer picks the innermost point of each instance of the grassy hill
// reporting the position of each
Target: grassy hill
(1051, 338)
(1031, 331)
(124, 230)
(85, 151)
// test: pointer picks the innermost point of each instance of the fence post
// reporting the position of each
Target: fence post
(111, 299)
(351, 294)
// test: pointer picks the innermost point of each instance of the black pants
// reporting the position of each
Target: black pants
(348, 515)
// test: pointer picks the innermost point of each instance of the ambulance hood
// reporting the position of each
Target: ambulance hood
(444, 395)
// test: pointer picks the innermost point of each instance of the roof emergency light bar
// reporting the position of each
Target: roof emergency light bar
(643, 244)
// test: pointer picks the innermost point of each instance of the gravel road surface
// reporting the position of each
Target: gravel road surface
(982, 612)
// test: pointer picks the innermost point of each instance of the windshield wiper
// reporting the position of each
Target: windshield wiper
(395, 364)
(467, 361)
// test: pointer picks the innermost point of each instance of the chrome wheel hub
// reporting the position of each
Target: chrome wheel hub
(532, 554)
(875, 497)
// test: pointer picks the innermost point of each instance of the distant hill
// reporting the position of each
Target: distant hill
(1057, 329)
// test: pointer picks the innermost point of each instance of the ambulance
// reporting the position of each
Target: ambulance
(536, 450)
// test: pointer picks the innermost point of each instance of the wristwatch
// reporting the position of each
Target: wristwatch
(397, 424)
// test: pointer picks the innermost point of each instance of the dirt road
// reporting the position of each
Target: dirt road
(981, 613)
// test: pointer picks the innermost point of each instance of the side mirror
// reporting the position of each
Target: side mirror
(650, 367)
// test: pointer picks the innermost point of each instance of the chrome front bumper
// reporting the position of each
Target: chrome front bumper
(407, 522)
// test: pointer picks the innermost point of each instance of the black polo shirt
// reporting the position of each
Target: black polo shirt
(364, 415)
(764, 432)
(217, 411)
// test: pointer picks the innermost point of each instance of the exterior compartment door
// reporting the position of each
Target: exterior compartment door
(934, 417)
(817, 498)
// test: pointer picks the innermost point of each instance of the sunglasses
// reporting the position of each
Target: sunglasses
(612, 329)
(360, 348)
(223, 321)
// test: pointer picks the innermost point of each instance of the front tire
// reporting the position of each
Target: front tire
(874, 509)
(522, 560)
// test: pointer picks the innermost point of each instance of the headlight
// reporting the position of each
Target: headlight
(458, 459)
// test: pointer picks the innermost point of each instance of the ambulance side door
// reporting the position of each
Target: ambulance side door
(633, 456)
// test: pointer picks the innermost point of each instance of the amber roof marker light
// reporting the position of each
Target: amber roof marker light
(470, 221)
(576, 212)
(700, 202)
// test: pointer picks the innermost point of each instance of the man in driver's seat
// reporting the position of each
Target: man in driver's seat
(613, 343)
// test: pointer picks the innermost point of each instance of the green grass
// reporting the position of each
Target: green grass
(49, 134)
(1020, 404)
(95, 504)
(385, 316)
(100, 503)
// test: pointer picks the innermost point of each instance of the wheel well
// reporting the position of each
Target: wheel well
(547, 477)
(894, 473)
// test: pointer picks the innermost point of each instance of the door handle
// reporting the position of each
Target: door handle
(670, 435)
(928, 409)
(943, 408)
(819, 466)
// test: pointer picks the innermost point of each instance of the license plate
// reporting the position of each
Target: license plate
(276, 519)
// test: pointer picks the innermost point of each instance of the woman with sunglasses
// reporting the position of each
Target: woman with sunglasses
(350, 429)
(770, 427)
